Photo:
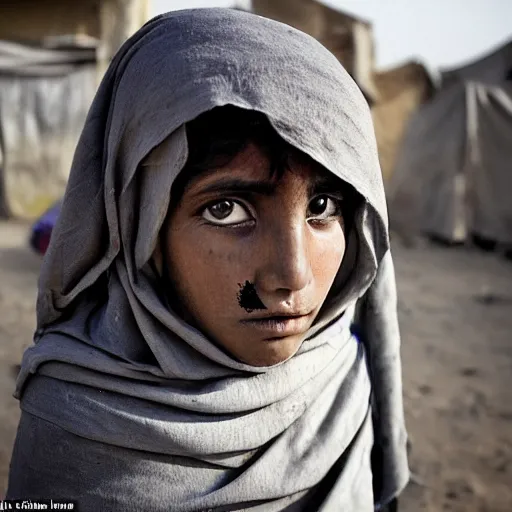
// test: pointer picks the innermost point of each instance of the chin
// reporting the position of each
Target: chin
(271, 352)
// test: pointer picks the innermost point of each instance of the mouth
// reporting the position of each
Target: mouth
(279, 326)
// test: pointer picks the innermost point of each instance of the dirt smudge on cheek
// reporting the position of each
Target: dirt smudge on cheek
(248, 297)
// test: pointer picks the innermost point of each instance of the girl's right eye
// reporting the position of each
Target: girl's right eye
(226, 213)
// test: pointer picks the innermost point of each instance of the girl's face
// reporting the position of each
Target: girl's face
(252, 258)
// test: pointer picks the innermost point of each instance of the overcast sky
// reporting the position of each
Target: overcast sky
(441, 33)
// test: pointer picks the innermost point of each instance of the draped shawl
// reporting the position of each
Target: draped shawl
(126, 406)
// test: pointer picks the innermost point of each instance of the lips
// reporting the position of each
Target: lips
(279, 326)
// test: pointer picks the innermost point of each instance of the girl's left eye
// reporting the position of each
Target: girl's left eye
(226, 213)
(323, 207)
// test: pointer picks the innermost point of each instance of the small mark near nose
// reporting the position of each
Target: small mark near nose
(248, 297)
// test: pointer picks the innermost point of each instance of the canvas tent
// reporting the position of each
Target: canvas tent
(494, 68)
(52, 55)
(44, 98)
(453, 175)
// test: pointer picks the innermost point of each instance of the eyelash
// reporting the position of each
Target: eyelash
(242, 204)
(337, 200)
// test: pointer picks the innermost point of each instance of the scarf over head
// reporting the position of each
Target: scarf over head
(149, 412)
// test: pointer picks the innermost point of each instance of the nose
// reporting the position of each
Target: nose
(286, 266)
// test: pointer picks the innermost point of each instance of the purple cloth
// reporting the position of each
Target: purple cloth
(43, 227)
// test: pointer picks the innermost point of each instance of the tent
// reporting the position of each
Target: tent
(52, 54)
(453, 175)
(45, 94)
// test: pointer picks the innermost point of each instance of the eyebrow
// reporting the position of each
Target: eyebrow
(323, 184)
(326, 184)
(231, 185)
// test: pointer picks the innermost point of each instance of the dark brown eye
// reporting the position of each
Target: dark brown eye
(221, 210)
(226, 213)
(323, 207)
(318, 205)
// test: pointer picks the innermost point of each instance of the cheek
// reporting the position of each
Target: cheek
(327, 255)
(206, 272)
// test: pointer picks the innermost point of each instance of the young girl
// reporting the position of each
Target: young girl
(217, 310)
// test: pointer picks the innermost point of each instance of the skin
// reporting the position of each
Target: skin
(284, 236)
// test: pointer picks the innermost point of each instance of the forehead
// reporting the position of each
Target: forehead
(253, 165)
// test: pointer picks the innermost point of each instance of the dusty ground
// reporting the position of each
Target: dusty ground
(456, 316)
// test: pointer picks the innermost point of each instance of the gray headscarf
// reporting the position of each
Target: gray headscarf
(151, 413)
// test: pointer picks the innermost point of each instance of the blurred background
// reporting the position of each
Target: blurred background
(437, 76)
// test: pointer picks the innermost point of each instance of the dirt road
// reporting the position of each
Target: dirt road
(456, 317)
